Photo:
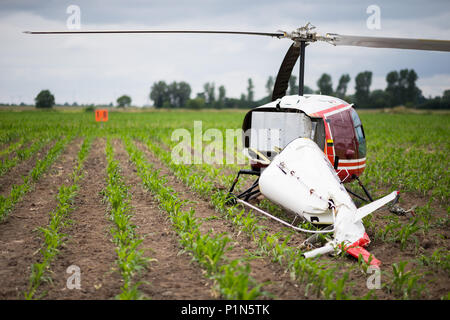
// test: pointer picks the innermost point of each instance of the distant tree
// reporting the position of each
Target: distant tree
(90, 108)
(363, 81)
(402, 89)
(378, 99)
(250, 90)
(413, 93)
(201, 95)
(222, 97)
(269, 86)
(197, 103)
(446, 96)
(325, 85)
(307, 90)
(159, 93)
(293, 85)
(184, 93)
(403, 85)
(123, 101)
(44, 99)
(172, 101)
(210, 93)
(392, 88)
(178, 93)
(341, 89)
(242, 102)
(435, 103)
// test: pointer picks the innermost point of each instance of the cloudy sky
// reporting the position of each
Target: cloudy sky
(100, 68)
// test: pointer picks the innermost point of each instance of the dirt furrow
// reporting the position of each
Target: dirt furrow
(172, 276)
(272, 226)
(15, 174)
(13, 154)
(263, 270)
(89, 246)
(19, 239)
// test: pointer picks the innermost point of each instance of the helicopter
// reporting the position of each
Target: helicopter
(303, 148)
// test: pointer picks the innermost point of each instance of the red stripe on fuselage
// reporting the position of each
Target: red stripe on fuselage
(322, 112)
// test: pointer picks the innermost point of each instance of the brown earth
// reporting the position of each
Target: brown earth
(19, 239)
(89, 244)
(437, 281)
(262, 269)
(13, 154)
(15, 174)
(172, 275)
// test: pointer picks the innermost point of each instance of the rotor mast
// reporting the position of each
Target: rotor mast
(301, 37)
(301, 74)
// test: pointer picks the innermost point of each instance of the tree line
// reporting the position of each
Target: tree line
(401, 90)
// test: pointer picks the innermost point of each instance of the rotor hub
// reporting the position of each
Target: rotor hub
(306, 34)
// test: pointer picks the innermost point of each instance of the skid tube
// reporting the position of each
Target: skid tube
(290, 225)
(247, 194)
(251, 193)
(362, 187)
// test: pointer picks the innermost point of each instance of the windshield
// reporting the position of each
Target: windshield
(360, 136)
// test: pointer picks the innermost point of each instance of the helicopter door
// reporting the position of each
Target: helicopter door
(343, 133)
(272, 131)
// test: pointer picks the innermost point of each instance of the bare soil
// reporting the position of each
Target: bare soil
(89, 244)
(172, 275)
(263, 270)
(437, 282)
(15, 175)
(19, 239)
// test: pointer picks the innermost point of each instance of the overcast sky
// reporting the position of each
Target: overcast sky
(100, 68)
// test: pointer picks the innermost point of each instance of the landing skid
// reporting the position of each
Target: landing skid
(248, 194)
(355, 249)
(251, 193)
(362, 187)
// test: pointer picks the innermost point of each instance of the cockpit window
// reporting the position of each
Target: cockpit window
(360, 136)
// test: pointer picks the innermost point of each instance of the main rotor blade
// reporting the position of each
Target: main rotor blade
(284, 74)
(270, 34)
(395, 43)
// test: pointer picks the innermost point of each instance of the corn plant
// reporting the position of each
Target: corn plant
(59, 218)
(130, 259)
(209, 251)
(405, 283)
(41, 166)
(269, 245)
